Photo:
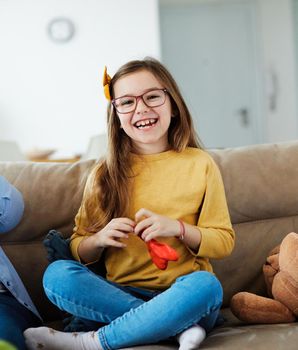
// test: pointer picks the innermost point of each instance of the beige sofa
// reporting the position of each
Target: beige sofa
(261, 184)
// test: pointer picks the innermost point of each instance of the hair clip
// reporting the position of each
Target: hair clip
(106, 84)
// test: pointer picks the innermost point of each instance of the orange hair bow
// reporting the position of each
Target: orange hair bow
(106, 84)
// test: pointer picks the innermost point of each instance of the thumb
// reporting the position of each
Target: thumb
(143, 213)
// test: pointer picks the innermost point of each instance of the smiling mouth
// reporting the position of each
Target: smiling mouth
(142, 124)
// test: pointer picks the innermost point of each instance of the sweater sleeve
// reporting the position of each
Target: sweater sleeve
(80, 231)
(214, 220)
(11, 206)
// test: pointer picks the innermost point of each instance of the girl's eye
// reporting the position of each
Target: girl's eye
(126, 102)
(153, 97)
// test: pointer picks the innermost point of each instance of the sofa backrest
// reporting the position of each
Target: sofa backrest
(261, 184)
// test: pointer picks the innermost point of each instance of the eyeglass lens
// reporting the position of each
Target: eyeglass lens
(127, 104)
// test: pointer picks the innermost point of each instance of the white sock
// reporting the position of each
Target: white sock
(191, 338)
(49, 339)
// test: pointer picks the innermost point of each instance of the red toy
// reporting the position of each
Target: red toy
(161, 253)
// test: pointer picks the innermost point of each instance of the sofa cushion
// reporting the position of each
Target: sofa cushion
(261, 181)
(52, 193)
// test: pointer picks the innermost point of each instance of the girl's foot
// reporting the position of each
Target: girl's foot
(49, 339)
(191, 338)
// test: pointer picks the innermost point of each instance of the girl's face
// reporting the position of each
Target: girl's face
(146, 126)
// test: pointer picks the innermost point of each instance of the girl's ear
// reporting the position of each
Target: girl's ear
(173, 114)
(120, 125)
(174, 110)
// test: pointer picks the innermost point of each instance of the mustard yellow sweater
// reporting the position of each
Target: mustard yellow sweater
(186, 186)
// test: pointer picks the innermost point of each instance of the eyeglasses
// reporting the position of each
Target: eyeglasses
(128, 104)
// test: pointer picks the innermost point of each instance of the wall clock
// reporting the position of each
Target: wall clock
(61, 29)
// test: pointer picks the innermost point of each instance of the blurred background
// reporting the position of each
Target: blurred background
(234, 60)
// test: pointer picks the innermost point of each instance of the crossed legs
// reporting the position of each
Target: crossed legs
(193, 298)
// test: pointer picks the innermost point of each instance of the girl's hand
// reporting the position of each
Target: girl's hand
(117, 228)
(155, 225)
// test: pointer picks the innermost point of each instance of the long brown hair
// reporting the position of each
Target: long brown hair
(109, 189)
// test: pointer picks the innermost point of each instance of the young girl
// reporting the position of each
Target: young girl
(156, 183)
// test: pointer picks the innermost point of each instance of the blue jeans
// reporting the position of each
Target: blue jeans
(14, 319)
(133, 315)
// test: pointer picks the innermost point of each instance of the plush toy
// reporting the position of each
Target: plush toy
(281, 277)
(161, 253)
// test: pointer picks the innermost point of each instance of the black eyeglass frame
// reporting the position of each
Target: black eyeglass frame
(137, 98)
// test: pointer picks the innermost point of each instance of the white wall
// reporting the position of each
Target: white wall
(51, 94)
(275, 55)
(278, 59)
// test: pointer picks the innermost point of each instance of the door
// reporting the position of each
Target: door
(210, 48)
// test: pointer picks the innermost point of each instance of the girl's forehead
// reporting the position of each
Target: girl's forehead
(136, 83)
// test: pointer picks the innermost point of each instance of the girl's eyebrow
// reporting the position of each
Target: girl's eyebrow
(144, 91)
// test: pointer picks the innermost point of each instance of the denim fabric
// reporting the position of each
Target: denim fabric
(11, 206)
(133, 315)
(11, 280)
(57, 248)
(14, 319)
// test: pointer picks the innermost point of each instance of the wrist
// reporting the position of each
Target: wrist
(182, 230)
(96, 241)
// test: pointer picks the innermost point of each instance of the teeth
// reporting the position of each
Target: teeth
(143, 123)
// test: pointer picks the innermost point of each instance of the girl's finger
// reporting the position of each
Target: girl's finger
(113, 243)
(117, 234)
(143, 225)
(150, 234)
(125, 221)
(119, 226)
(143, 212)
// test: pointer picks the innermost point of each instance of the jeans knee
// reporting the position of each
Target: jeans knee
(58, 273)
(214, 287)
(205, 282)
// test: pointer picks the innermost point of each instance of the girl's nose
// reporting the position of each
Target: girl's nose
(141, 107)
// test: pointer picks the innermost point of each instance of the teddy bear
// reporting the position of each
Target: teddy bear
(281, 278)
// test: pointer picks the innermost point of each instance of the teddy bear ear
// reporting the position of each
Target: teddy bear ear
(273, 261)
(274, 250)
